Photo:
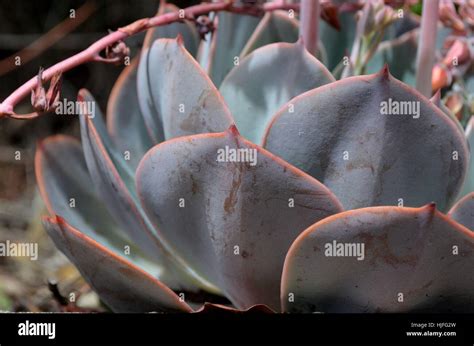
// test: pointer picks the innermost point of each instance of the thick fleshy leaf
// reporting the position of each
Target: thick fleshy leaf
(91, 110)
(265, 80)
(232, 218)
(400, 55)
(463, 211)
(66, 189)
(121, 285)
(277, 26)
(469, 82)
(274, 27)
(338, 42)
(186, 29)
(373, 141)
(468, 186)
(183, 97)
(381, 259)
(125, 122)
(90, 113)
(121, 201)
(189, 38)
(436, 100)
(233, 32)
(65, 186)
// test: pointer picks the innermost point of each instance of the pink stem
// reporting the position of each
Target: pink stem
(309, 24)
(91, 53)
(426, 48)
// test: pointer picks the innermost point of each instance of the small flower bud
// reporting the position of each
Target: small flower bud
(41, 100)
(458, 52)
(454, 102)
(440, 77)
(384, 17)
(117, 52)
(204, 25)
(38, 94)
(449, 17)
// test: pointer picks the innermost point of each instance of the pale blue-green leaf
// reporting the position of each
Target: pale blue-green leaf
(185, 100)
(65, 186)
(274, 27)
(121, 200)
(232, 218)
(338, 43)
(351, 136)
(120, 284)
(468, 186)
(265, 80)
(187, 30)
(400, 56)
(233, 32)
(190, 39)
(125, 122)
(67, 190)
(381, 259)
(463, 211)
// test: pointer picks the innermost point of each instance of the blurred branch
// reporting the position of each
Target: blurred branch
(49, 39)
(309, 24)
(74, 40)
(427, 44)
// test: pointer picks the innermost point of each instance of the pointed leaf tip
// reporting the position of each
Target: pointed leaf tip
(430, 207)
(384, 72)
(179, 39)
(232, 190)
(302, 138)
(403, 252)
(82, 94)
(436, 98)
(300, 41)
(115, 275)
(58, 219)
(232, 130)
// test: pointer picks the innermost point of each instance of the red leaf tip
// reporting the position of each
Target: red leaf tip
(384, 73)
(59, 220)
(232, 130)
(430, 207)
(179, 39)
(82, 94)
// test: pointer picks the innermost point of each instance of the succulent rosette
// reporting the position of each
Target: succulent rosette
(241, 167)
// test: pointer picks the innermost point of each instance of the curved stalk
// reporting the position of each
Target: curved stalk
(426, 48)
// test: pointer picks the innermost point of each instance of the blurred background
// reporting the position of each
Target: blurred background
(41, 33)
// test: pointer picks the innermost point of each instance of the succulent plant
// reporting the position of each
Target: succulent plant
(238, 165)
